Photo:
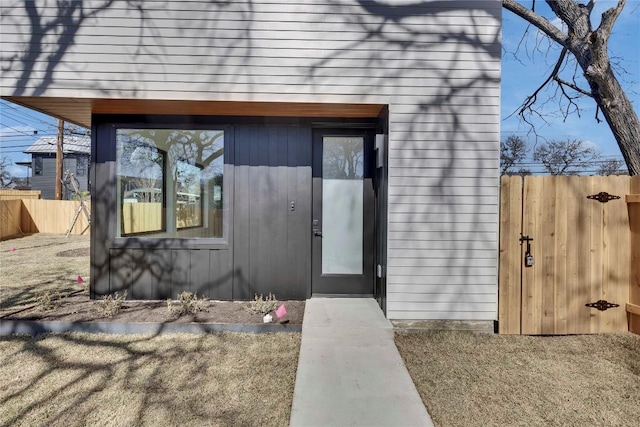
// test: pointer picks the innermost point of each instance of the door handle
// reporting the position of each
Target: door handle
(317, 233)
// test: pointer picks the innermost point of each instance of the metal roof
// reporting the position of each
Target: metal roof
(73, 144)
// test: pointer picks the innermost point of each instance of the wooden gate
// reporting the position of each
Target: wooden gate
(579, 280)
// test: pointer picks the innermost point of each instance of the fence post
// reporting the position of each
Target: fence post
(633, 306)
(510, 263)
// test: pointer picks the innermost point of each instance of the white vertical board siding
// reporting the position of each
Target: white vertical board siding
(435, 63)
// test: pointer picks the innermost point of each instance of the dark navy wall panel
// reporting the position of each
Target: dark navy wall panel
(268, 246)
(271, 236)
(180, 272)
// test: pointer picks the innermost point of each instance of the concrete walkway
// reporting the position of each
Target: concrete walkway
(350, 372)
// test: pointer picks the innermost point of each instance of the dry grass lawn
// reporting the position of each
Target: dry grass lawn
(192, 380)
(470, 379)
(33, 267)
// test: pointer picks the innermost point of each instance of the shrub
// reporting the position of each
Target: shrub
(187, 303)
(84, 195)
(112, 304)
(48, 300)
(263, 306)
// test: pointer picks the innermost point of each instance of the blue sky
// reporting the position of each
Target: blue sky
(520, 77)
(18, 127)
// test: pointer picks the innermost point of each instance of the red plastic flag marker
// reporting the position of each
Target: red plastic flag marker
(281, 311)
(80, 280)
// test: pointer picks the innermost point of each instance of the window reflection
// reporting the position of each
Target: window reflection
(170, 182)
(342, 157)
(189, 195)
(140, 170)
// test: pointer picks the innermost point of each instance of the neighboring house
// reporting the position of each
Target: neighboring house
(76, 156)
(341, 147)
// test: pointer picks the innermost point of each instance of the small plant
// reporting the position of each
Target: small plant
(112, 304)
(83, 195)
(263, 306)
(187, 303)
(48, 300)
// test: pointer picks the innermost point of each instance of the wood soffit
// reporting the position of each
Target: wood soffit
(79, 110)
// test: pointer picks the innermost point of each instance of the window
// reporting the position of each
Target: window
(170, 182)
(37, 165)
(189, 195)
(81, 166)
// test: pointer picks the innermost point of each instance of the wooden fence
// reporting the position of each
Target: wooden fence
(29, 216)
(10, 218)
(141, 217)
(148, 217)
(6, 194)
(585, 253)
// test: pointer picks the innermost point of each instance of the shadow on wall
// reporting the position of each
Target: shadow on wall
(452, 203)
(52, 35)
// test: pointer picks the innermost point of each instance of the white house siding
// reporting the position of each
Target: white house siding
(435, 63)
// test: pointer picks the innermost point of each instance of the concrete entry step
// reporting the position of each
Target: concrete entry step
(349, 370)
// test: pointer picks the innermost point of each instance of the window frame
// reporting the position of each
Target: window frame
(163, 243)
(201, 196)
(38, 165)
(82, 166)
(163, 205)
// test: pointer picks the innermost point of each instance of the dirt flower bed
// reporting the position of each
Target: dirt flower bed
(79, 308)
(50, 265)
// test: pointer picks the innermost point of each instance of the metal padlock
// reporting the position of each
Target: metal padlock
(528, 260)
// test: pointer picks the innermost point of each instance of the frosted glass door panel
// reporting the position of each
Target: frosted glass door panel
(342, 205)
(342, 226)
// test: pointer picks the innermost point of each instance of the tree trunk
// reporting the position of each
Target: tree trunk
(619, 114)
(591, 51)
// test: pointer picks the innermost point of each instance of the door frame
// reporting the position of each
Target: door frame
(327, 284)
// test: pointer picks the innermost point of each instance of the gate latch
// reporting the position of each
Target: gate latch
(528, 258)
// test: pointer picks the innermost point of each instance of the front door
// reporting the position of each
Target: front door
(343, 212)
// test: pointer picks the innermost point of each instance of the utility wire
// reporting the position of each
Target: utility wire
(25, 112)
(19, 131)
(14, 113)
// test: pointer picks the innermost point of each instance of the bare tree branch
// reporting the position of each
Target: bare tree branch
(573, 86)
(540, 22)
(527, 105)
(513, 150)
(6, 179)
(609, 18)
(567, 157)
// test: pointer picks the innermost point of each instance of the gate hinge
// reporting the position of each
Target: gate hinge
(603, 197)
(602, 305)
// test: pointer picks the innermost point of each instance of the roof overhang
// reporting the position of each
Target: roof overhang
(79, 110)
